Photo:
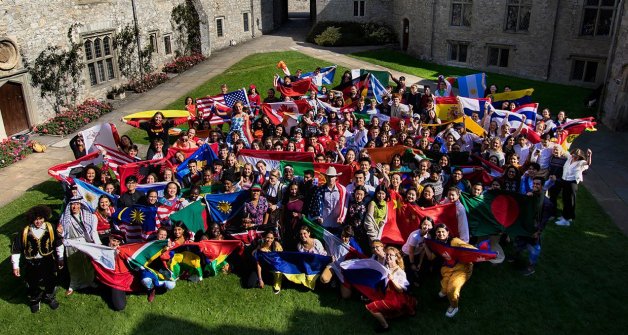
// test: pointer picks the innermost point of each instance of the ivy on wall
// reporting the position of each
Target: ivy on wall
(131, 66)
(185, 21)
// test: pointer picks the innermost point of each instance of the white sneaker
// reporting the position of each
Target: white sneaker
(451, 312)
(562, 222)
(441, 294)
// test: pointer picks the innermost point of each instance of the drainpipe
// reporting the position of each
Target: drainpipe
(611, 53)
(252, 21)
(137, 37)
(551, 52)
(433, 28)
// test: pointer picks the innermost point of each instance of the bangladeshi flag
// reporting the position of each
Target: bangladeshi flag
(319, 169)
(141, 170)
(405, 218)
(297, 88)
(500, 211)
(273, 158)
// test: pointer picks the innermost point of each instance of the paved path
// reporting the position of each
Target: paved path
(607, 179)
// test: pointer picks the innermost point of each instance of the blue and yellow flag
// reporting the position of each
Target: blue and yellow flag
(520, 97)
(224, 206)
(297, 267)
(138, 215)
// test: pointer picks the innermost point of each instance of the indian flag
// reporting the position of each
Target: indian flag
(273, 158)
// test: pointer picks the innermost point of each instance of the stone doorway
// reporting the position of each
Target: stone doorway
(13, 108)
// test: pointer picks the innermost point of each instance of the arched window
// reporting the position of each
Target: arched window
(100, 58)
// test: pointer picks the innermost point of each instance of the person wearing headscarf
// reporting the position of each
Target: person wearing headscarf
(78, 223)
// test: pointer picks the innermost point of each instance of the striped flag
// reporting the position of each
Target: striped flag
(471, 105)
(367, 275)
(376, 89)
(472, 86)
(91, 194)
(62, 172)
(519, 97)
(104, 134)
(529, 110)
(113, 158)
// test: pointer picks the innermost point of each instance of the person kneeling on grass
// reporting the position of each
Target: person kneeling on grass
(40, 246)
(397, 302)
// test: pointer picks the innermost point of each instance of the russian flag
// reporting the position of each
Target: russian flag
(367, 275)
(471, 105)
(472, 86)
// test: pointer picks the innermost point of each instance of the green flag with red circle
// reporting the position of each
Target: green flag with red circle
(500, 211)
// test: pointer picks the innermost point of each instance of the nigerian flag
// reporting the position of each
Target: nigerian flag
(500, 211)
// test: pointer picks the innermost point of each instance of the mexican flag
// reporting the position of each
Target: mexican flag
(500, 211)
(319, 170)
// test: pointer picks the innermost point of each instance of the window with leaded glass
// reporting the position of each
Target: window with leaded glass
(597, 17)
(461, 13)
(99, 58)
(584, 70)
(458, 51)
(518, 15)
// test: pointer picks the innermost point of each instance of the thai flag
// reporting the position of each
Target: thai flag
(529, 110)
(471, 105)
(472, 86)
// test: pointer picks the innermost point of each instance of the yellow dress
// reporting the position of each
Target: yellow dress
(453, 278)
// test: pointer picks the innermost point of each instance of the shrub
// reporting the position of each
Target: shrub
(353, 33)
(329, 37)
(181, 64)
(71, 120)
(147, 82)
(12, 151)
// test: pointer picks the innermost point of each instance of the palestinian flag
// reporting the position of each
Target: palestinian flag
(500, 211)
(361, 82)
(273, 158)
(319, 170)
(403, 219)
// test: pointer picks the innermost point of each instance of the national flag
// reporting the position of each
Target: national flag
(104, 134)
(216, 253)
(110, 268)
(385, 155)
(298, 267)
(327, 79)
(529, 110)
(63, 172)
(91, 194)
(454, 255)
(446, 108)
(160, 187)
(113, 158)
(278, 111)
(469, 105)
(204, 156)
(520, 97)
(376, 89)
(350, 108)
(382, 76)
(472, 86)
(136, 222)
(403, 219)
(184, 261)
(223, 102)
(333, 244)
(206, 108)
(361, 82)
(140, 255)
(223, 207)
(319, 169)
(501, 116)
(142, 169)
(368, 276)
(296, 89)
(194, 216)
(500, 211)
(569, 131)
(273, 158)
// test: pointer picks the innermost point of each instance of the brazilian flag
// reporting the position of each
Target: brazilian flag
(500, 211)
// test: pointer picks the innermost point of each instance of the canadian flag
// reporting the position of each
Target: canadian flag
(277, 112)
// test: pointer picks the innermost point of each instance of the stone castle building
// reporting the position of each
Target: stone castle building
(576, 42)
(27, 27)
(573, 42)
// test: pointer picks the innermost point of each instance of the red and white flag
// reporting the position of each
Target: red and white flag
(63, 172)
(278, 111)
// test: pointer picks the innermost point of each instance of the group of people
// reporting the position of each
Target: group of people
(280, 200)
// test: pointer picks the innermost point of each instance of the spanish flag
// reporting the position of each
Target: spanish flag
(446, 107)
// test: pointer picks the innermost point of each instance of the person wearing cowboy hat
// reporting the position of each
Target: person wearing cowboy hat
(41, 249)
(328, 203)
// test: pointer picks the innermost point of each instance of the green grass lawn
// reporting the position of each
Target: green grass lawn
(578, 288)
(555, 96)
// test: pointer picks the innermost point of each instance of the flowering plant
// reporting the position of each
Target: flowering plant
(71, 120)
(12, 150)
(146, 82)
(183, 63)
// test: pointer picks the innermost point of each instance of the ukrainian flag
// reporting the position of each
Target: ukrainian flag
(297, 267)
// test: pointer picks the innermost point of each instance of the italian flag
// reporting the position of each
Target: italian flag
(273, 158)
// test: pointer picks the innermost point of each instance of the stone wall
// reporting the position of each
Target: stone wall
(343, 10)
(34, 25)
(300, 6)
(616, 96)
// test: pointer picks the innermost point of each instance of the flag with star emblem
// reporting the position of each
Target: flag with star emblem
(223, 207)
(136, 222)
(472, 86)
(92, 194)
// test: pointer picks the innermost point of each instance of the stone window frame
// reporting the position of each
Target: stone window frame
(464, 6)
(517, 6)
(598, 6)
(246, 21)
(500, 56)
(220, 23)
(104, 68)
(359, 8)
(451, 44)
(167, 38)
(586, 62)
(153, 40)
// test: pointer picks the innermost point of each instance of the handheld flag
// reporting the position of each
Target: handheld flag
(472, 86)
(225, 206)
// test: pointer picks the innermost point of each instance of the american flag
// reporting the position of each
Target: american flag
(221, 102)
(114, 158)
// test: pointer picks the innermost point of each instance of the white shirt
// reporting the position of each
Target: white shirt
(38, 233)
(415, 239)
(544, 158)
(523, 152)
(572, 171)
